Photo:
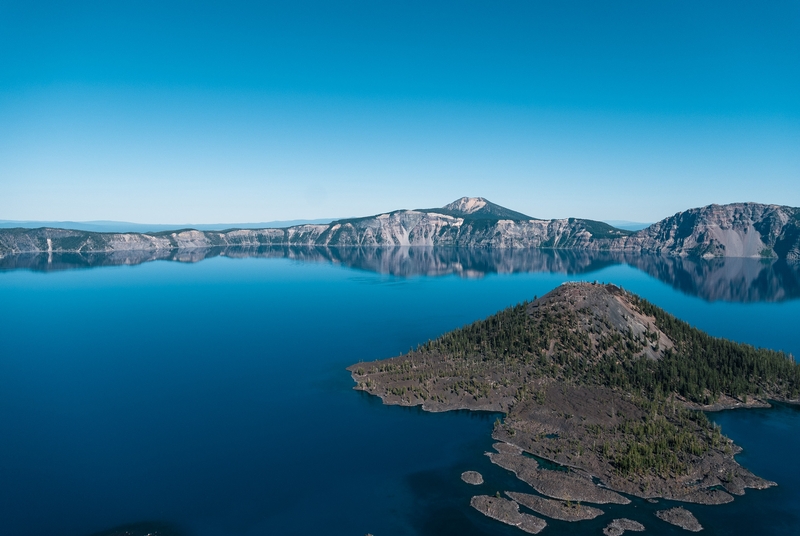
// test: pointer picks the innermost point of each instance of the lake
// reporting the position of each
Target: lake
(206, 390)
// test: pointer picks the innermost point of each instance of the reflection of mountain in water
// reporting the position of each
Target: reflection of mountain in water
(727, 279)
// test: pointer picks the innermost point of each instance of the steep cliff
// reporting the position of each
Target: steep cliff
(738, 230)
(735, 230)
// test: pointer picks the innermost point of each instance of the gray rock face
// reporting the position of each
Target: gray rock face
(735, 230)
(738, 230)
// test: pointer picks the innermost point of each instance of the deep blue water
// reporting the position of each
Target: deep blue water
(213, 396)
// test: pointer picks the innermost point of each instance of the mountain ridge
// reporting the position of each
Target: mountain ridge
(734, 230)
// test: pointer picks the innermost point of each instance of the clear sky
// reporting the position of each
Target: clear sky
(203, 112)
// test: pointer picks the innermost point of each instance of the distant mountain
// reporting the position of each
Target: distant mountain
(736, 230)
(106, 226)
(466, 222)
(478, 208)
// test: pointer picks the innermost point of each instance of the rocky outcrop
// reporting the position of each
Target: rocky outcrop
(507, 512)
(561, 510)
(680, 517)
(562, 485)
(737, 230)
(618, 527)
(472, 477)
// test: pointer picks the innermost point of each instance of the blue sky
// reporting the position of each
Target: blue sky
(175, 112)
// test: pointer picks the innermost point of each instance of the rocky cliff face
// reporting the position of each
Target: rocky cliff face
(739, 230)
(418, 228)
(736, 230)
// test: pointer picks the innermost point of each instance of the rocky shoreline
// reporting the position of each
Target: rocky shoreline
(680, 517)
(562, 485)
(724, 403)
(572, 439)
(472, 477)
(619, 526)
(561, 510)
(507, 511)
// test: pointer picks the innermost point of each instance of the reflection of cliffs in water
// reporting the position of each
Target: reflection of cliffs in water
(726, 279)
(53, 262)
(411, 261)
(398, 261)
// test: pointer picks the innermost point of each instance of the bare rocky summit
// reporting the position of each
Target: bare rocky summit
(737, 230)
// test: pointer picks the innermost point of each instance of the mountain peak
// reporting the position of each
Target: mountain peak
(481, 208)
(467, 205)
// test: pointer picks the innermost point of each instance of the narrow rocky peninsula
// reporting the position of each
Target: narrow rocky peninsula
(563, 485)
(561, 510)
(507, 512)
(602, 384)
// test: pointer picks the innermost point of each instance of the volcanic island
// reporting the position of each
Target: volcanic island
(605, 386)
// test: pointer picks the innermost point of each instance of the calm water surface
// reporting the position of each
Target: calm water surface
(213, 396)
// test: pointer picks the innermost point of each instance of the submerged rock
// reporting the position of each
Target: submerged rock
(472, 477)
(507, 512)
(619, 526)
(680, 517)
(141, 529)
(561, 510)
